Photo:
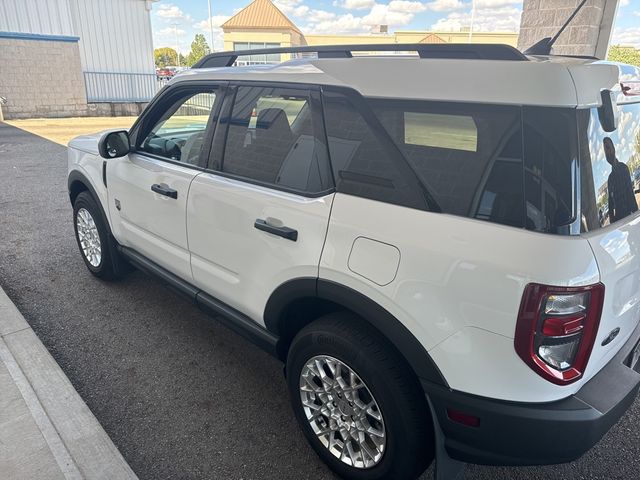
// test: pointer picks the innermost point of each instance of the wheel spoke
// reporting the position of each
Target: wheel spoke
(342, 412)
(88, 237)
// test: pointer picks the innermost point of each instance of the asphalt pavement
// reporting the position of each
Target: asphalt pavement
(181, 396)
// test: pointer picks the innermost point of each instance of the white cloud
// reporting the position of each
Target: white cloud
(338, 24)
(487, 19)
(496, 3)
(444, 5)
(623, 3)
(320, 16)
(396, 13)
(292, 7)
(170, 32)
(629, 36)
(168, 11)
(355, 4)
(216, 22)
(166, 37)
(218, 36)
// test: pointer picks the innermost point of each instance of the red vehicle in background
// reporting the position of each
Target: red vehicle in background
(165, 72)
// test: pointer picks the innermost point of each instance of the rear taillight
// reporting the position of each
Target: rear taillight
(556, 329)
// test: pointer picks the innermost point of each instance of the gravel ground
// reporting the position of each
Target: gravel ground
(179, 394)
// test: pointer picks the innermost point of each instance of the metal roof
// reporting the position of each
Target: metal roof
(260, 14)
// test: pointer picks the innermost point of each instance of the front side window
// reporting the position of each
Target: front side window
(179, 133)
(274, 138)
(610, 167)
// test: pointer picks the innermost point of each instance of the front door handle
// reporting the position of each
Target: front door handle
(164, 190)
(284, 232)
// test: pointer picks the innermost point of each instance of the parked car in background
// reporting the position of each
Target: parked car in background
(426, 255)
(165, 72)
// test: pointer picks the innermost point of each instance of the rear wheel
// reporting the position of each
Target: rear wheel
(357, 401)
(95, 242)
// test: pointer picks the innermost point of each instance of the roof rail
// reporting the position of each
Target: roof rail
(477, 51)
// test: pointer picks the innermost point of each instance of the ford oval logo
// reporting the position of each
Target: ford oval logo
(614, 333)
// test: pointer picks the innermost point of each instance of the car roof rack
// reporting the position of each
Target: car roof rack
(475, 51)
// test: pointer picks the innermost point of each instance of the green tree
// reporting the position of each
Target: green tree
(165, 56)
(628, 55)
(199, 48)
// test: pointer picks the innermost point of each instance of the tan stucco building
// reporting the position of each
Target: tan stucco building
(261, 24)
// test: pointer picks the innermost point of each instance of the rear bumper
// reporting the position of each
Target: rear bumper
(513, 433)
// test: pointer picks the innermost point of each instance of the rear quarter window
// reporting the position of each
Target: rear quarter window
(610, 167)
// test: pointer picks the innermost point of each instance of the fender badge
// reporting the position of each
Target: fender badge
(614, 333)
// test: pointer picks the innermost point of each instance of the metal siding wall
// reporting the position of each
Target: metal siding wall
(115, 35)
(45, 17)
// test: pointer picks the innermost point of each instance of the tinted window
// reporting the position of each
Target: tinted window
(273, 138)
(610, 167)
(550, 168)
(504, 164)
(468, 157)
(364, 161)
(180, 132)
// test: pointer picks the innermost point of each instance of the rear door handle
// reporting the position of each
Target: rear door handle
(284, 232)
(164, 190)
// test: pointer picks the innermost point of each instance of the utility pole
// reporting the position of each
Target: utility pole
(473, 16)
(175, 30)
(210, 26)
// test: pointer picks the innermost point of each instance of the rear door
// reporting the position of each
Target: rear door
(258, 217)
(611, 220)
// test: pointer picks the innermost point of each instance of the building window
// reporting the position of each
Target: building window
(256, 59)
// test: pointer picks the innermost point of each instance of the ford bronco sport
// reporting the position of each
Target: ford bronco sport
(449, 266)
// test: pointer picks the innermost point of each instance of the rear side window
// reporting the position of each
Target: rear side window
(364, 160)
(550, 168)
(274, 138)
(468, 157)
(503, 164)
(610, 167)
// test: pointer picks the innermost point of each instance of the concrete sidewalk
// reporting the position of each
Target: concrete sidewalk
(46, 430)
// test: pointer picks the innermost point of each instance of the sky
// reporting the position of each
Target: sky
(188, 17)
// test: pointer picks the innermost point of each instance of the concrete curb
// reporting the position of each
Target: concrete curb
(74, 440)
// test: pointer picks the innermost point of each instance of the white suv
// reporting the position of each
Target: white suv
(443, 248)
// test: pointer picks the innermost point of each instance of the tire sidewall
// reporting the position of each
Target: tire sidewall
(86, 201)
(313, 343)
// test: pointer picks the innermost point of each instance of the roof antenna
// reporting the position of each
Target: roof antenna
(543, 47)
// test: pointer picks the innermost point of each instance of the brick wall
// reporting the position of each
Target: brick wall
(587, 34)
(41, 79)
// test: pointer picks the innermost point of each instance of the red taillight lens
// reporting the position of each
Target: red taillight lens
(561, 326)
(556, 329)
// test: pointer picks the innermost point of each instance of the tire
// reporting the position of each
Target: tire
(99, 254)
(407, 446)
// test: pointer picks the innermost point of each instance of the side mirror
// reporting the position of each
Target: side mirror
(114, 144)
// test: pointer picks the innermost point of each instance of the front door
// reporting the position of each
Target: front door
(148, 189)
(260, 217)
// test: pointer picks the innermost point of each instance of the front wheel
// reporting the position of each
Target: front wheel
(94, 239)
(357, 401)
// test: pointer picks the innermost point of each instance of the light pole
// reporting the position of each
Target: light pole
(175, 30)
(473, 16)
(210, 26)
